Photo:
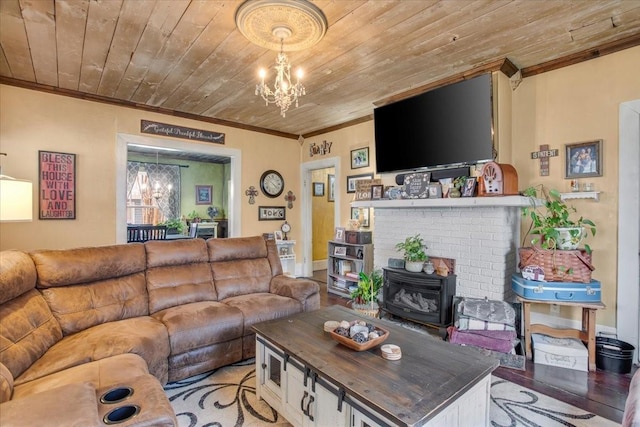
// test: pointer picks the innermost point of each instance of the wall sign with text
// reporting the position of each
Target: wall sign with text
(57, 192)
(156, 128)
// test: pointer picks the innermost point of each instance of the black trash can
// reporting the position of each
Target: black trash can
(614, 355)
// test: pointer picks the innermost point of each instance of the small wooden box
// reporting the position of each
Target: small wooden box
(357, 237)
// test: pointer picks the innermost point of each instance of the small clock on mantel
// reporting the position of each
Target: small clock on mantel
(272, 183)
(286, 228)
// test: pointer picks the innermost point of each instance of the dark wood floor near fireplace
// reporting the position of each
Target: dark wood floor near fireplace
(604, 393)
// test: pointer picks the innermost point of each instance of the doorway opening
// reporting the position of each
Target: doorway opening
(139, 149)
(318, 169)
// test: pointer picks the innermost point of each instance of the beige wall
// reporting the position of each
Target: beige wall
(32, 121)
(576, 104)
(342, 142)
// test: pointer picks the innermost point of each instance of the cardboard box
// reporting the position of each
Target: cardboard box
(568, 353)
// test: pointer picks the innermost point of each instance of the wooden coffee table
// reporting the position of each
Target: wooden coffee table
(313, 380)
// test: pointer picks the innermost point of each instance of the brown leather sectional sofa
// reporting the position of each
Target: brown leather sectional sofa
(77, 323)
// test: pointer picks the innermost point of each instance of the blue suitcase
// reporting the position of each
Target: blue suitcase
(556, 291)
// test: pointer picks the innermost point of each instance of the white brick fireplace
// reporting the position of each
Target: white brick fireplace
(482, 234)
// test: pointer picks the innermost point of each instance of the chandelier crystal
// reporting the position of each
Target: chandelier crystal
(284, 92)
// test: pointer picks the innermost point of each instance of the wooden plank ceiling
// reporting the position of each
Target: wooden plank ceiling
(186, 57)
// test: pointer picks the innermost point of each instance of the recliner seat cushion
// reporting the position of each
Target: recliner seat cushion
(100, 373)
(51, 409)
(143, 336)
(261, 307)
(199, 324)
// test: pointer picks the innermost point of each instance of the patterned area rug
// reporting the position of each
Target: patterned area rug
(226, 397)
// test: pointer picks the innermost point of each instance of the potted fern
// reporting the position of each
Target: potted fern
(413, 249)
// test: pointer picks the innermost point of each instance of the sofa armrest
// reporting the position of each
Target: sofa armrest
(6, 384)
(68, 405)
(631, 417)
(304, 290)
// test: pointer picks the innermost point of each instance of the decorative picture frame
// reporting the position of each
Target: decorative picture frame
(318, 189)
(331, 187)
(469, 187)
(376, 192)
(362, 218)
(352, 179)
(340, 251)
(583, 159)
(338, 236)
(203, 194)
(272, 213)
(360, 158)
(277, 235)
(57, 191)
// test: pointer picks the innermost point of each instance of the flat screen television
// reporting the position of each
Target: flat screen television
(450, 125)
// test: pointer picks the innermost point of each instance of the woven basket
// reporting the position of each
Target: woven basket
(367, 309)
(559, 266)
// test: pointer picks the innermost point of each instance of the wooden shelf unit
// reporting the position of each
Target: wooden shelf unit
(358, 258)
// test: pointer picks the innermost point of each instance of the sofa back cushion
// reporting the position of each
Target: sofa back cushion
(88, 286)
(240, 265)
(27, 327)
(17, 275)
(178, 273)
(27, 330)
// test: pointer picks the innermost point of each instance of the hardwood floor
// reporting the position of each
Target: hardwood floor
(602, 393)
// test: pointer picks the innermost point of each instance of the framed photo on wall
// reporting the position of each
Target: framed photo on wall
(583, 159)
(352, 179)
(331, 187)
(360, 158)
(318, 189)
(362, 215)
(203, 194)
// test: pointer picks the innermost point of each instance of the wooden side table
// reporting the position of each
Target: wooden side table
(587, 334)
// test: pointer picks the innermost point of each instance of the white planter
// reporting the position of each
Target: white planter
(414, 266)
(570, 238)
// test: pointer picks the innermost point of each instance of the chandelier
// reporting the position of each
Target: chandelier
(268, 23)
(284, 93)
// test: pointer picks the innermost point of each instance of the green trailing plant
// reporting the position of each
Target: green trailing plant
(368, 288)
(174, 223)
(413, 249)
(551, 214)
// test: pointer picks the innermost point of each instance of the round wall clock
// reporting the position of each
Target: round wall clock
(271, 183)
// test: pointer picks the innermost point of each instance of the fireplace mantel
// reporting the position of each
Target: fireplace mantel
(481, 233)
(460, 202)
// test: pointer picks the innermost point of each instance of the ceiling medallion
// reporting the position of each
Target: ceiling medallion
(258, 19)
(268, 23)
